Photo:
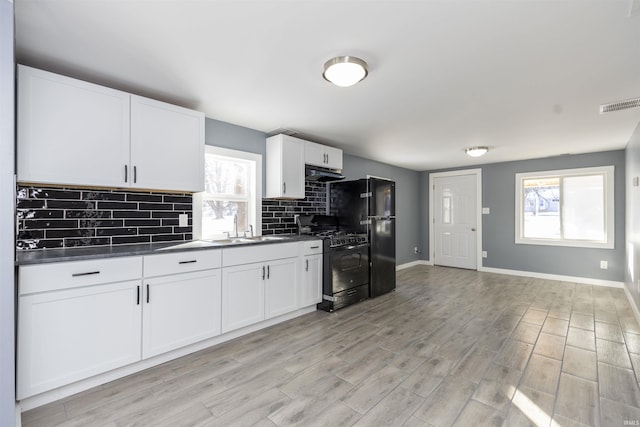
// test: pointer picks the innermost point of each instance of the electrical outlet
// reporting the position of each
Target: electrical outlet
(486, 211)
(484, 254)
(604, 265)
(295, 219)
(415, 250)
(183, 220)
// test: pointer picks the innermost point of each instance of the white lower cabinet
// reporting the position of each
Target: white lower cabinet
(69, 335)
(242, 295)
(280, 287)
(179, 310)
(79, 319)
(311, 283)
(254, 292)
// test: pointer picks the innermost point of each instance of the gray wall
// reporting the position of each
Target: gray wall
(632, 271)
(7, 218)
(222, 134)
(498, 233)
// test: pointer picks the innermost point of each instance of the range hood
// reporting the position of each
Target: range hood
(313, 173)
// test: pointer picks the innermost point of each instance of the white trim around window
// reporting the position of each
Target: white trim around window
(563, 212)
(255, 209)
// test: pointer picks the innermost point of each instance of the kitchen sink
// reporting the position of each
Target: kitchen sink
(255, 239)
(263, 238)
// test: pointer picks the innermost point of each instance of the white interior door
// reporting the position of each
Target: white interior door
(455, 221)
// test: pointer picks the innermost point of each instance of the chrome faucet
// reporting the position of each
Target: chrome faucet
(235, 224)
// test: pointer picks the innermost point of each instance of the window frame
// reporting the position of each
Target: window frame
(255, 207)
(608, 173)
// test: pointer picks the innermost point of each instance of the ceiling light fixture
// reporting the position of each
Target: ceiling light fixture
(476, 151)
(344, 71)
(620, 105)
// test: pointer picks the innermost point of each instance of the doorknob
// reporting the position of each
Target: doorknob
(473, 229)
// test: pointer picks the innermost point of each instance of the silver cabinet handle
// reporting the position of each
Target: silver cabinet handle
(126, 173)
(88, 273)
(135, 174)
(138, 295)
(263, 272)
(314, 247)
(188, 262)
(473, 229)
(268, 272)
(147, 293)
(284, 188)
(307, 266)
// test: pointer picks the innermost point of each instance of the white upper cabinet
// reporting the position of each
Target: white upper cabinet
(322, 155)
(285, 167)
(167, 146)
(71, 132)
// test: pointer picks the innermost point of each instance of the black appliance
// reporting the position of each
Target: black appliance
(345, 261)
(367, 206)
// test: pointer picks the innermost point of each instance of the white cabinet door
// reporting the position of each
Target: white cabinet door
(285, 167)
(281, 287)
(65, 336)
(322, 155)
(167, 146)
(242, 295)
(180, 310)
(71, 132)
(311, 286)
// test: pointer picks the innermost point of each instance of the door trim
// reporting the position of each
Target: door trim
(432, 237)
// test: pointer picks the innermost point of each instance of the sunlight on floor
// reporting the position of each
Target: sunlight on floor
(532, 411)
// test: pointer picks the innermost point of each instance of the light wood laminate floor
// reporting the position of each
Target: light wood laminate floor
(449, 347)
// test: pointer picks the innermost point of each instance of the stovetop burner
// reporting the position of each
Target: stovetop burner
(342, 238)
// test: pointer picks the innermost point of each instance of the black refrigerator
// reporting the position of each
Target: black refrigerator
(368, 206)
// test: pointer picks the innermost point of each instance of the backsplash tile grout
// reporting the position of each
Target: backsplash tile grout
(50, 218)
(278, 215)
(66, 217)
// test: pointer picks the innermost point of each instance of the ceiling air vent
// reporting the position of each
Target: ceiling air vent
(620, 105)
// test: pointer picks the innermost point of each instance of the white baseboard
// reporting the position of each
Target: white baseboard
(632, 303)
(412, 264)
(561, 278)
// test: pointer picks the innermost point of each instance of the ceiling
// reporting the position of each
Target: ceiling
(523, 77)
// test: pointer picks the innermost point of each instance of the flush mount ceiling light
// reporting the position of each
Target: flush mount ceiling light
(476, 151)
(620, 105)
(344, 71)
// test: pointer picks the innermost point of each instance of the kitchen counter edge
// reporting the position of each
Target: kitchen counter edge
(41, 256)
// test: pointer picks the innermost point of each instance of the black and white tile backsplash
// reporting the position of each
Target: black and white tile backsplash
(278, 215)
(67, 217)
(62, 217)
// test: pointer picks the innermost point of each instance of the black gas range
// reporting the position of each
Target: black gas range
(345, 278)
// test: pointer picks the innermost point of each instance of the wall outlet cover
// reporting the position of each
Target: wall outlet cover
(486, 211)
(484, 254)
(183, 220)
(604, 265)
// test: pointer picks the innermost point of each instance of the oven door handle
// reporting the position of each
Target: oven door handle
(348, 248)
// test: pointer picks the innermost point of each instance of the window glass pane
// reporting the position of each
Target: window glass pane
(226, 176)
(583, 207)
(541, 208)
(218, 217)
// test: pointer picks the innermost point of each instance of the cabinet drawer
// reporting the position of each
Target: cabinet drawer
(312, 247)
(74, 274)
(258, 253)
(181, 262)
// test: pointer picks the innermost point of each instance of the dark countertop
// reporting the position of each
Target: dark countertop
(85, 253)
